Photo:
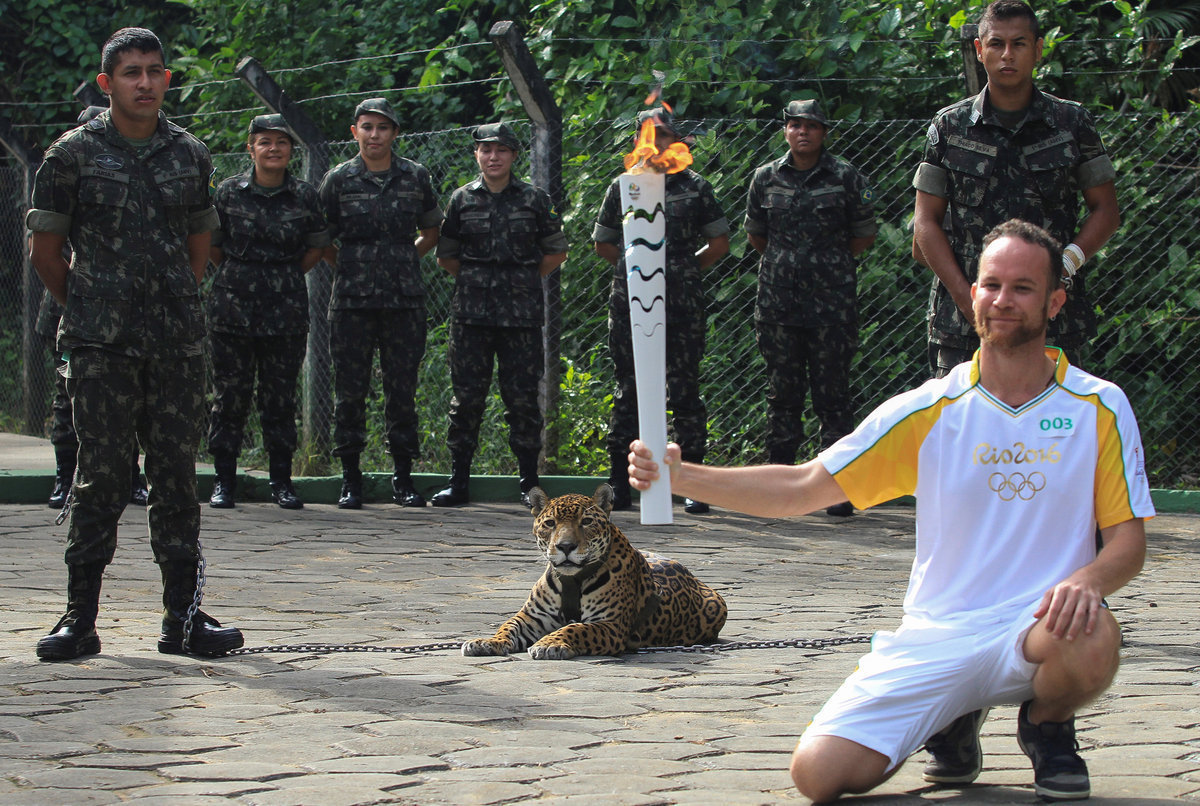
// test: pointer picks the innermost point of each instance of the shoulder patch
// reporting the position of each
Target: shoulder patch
(932, 134)
(867, 194)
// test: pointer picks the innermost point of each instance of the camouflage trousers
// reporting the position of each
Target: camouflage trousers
(354, 336)
(119, 401)
(236, 360)
(62, 429)
(518, 356)
(689, 417)
(942, 358)
(802, 361)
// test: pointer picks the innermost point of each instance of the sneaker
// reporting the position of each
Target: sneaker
(957, 757)
(1058, 771)
(842, 510)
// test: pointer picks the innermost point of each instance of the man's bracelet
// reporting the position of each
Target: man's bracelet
(1073, 259)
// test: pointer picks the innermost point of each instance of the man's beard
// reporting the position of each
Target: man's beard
(1024, 334)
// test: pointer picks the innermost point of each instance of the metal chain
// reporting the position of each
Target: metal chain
(197, 597)
(325, 649)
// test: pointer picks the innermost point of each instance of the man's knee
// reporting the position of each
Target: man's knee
(1089, 661)
(826, 767)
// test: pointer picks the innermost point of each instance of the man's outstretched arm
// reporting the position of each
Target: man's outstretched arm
(766, 491)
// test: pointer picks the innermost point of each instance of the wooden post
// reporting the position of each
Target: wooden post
(35, 378)
(317, 406)
(545, 162)
(973, 72)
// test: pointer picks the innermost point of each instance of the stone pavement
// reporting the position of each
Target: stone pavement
(131, 725)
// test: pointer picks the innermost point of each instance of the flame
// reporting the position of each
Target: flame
(646, 157)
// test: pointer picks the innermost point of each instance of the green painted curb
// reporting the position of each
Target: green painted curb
(33, 487)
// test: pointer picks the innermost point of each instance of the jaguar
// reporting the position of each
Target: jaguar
(599, 595)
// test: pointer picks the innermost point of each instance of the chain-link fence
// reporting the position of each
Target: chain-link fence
(1143, 284)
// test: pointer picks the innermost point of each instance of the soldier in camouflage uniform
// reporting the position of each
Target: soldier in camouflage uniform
(62, 430)
(1010, 152)
(272, 232)
(501, 236)
(374, 204)
(693, 219)
(810, 215)
(129, 191)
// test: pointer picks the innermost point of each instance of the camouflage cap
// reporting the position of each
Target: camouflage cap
(379, 106)
(806, 110)
(662, 119)
(89, 113)
(497, 133)
(270, 123)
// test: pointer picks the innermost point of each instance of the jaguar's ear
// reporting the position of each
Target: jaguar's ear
(537, 501)
(604, 498)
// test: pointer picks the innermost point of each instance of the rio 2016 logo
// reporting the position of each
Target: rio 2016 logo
(1019, 454)
(1016, 485)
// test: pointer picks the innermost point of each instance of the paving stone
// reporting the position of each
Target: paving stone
(665, 727)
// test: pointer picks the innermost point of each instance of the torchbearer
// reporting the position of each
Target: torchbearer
(691, 233)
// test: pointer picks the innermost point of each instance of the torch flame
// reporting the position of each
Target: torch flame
(645, 155)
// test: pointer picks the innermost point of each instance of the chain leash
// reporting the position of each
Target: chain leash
(419, 649)
(197, 597)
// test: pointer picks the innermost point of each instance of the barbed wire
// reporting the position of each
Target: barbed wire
(397, 55)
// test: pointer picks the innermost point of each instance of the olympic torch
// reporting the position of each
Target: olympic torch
(644, 227)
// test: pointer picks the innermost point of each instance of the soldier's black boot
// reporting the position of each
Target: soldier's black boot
(281, 483)
(205, 636)
(138, 495)
(618, 479)
(404, 492)
(75, 633)
(527, 471)
(458, 493)
(64, 474)
(352, 488)
(225, 482)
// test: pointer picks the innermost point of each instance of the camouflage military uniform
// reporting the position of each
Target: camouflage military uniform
(258, 307)
(693, 215)
(807, 313)
(989, 173)
(378, 299)
(499, 240)
(62, 430)
(132, 329)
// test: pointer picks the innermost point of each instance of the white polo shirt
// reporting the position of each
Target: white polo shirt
(1008, 500)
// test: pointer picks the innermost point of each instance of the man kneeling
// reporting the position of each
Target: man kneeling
(1015, 458)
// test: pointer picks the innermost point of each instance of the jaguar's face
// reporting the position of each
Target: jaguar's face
(572, 530)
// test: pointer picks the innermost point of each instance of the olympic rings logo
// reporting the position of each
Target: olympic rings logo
(1016, 485)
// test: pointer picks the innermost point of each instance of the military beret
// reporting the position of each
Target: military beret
(379, 106)
(807, 110)
(270, 123)
(497, 133)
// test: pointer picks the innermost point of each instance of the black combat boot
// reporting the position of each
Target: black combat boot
(458, 493)
(527, 471)
(404, 492)
(618, 479)
(281, 483)
(64, 475)
(75, 633)
(138, 494)
(225, 465)
(352, 487)
(206, 637)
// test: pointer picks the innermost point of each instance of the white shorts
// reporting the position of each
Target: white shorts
(917, 680)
